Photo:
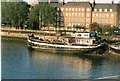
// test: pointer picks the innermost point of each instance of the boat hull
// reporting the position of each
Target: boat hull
(66, 49)
(113, 50)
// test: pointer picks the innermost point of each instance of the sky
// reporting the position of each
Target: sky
(97, 1)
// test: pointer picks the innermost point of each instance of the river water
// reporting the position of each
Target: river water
(20, 63)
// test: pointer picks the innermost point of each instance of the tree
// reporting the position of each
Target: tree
(94, 27)
(106, 29)
(14, 13)
(42, 15)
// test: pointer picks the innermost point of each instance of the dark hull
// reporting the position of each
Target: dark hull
(99, 50)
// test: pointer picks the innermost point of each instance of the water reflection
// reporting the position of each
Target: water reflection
(20, 63)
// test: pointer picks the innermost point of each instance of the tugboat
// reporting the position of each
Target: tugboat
(79, 42)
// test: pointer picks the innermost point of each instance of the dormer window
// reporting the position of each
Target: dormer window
(111, 10)
(100, 10)
(105, 10)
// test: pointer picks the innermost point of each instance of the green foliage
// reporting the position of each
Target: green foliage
(94, 27)
(14, 13)
(79, 27)
(42, 15)
(106, 28)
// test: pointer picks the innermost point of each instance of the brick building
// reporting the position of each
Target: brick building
(85, 13)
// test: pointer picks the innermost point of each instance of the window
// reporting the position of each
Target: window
(105, 10)
(111, 10)
(75, 14)
(62, 9)
(82, 9)
(95, 10)
(96, 15)
(100, 10)
(111, 16)
(82, 14)
(107, 15)
(88, 14)
(66, 9)
(69, 24)
(72, 9)
(79, 9)
(88, 9)
(66, 14)
(69, 9)
(75, 9)
(72, 14)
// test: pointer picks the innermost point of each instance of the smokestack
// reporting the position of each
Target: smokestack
(48, 1)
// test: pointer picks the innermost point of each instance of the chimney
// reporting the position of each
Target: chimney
(48, 1)
(112, 2)
(93, 4)
(63, 2)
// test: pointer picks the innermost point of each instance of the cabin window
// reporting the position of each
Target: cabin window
(79, 35)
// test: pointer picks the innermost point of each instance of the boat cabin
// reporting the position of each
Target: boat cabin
(86, 38)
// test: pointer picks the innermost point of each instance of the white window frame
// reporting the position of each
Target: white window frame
(111, 10)
(105, 10)
(72, 9)
(95, 10)
(69, 9)
(76, 9)
(82, 9)
(66, 14)
(62, 9)
(100, 10)
(88, 15)
(96, 15)
(88, 9)
(111, 15)
(66, 9)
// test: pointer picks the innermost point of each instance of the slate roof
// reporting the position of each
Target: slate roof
(115, 7)
(86, 4)
(108, 6)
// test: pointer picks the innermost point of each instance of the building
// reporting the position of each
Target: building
(84, 13)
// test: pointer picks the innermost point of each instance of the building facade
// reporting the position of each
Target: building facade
(84, 13)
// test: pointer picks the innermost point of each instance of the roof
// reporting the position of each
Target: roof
(115, 7)
(86, 4)
(108, 6)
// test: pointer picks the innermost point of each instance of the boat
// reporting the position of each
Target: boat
(115, 48)
(80, 42)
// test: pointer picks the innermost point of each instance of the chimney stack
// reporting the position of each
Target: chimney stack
(93, 4)
(48, 1)
(63, 2)
(112, 2)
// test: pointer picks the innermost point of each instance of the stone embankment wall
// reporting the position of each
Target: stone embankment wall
(24, 34)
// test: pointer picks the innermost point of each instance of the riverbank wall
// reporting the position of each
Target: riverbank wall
(23, 34)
